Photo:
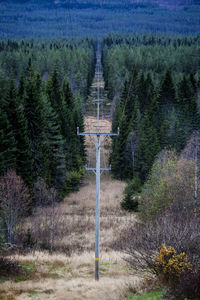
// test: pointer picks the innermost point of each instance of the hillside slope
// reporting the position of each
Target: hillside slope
(33, 18)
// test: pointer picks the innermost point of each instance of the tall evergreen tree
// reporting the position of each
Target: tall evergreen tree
(129, 95)
(54, 91)
(34, 113)
(18, 122)
(120, 162)
(148, 147)
(167, 91)
(7, 145)
(68, 95)
(21, 88)
(176, 135)
(186, 97)
(141, 91)
(55, 144)
(188, 104)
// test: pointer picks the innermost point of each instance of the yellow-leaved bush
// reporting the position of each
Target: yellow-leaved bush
(170, 265)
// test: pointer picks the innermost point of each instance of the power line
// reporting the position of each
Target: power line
(70, 18)
(97, 170)
(57, 20)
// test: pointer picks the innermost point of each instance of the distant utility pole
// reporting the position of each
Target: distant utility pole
(98, 170)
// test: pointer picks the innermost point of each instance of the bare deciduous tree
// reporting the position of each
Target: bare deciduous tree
(14, 202)
(179, 229)
(192, 152)
(47, 221)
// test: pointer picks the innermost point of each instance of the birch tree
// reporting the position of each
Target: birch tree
(14, 202)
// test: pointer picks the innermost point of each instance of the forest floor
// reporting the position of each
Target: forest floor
(70, 275)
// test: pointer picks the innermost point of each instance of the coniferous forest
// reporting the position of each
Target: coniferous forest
(154, 83)
(42, 103)
(139, 63)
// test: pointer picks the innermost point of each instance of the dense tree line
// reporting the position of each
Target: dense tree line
(156, 104)
(44, 85)
(155, 83)
(74, 58)
(33, 18)
(38, 124)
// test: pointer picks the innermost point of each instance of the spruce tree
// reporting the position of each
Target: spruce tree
(23, 155)
(188, 103)
(21, 88)
(55, 144)
(120, 161)
(18, 122)
(68, 95)
(54, 92)
(79, 141)
(148, 147)
(176, 135)
(186, 96)
(141, 90)
(72, 118)
(167, 91)
(129, 95)
(34, 113)
(7, 145)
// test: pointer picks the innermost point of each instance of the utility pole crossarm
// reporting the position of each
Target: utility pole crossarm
(101, 169)
(97, 133)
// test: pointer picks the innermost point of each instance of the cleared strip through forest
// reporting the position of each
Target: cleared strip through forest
(61, 276)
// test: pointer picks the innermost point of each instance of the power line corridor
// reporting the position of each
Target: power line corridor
(98, 138)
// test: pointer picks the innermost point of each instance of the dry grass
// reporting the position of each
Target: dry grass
(61, 277)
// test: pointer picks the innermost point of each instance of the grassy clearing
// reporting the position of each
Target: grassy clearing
(60, 277)
(156, 295)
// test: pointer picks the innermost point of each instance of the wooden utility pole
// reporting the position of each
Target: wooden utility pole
(98, 170)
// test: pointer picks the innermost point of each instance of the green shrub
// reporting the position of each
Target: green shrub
(130, 200)
(74, 181)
